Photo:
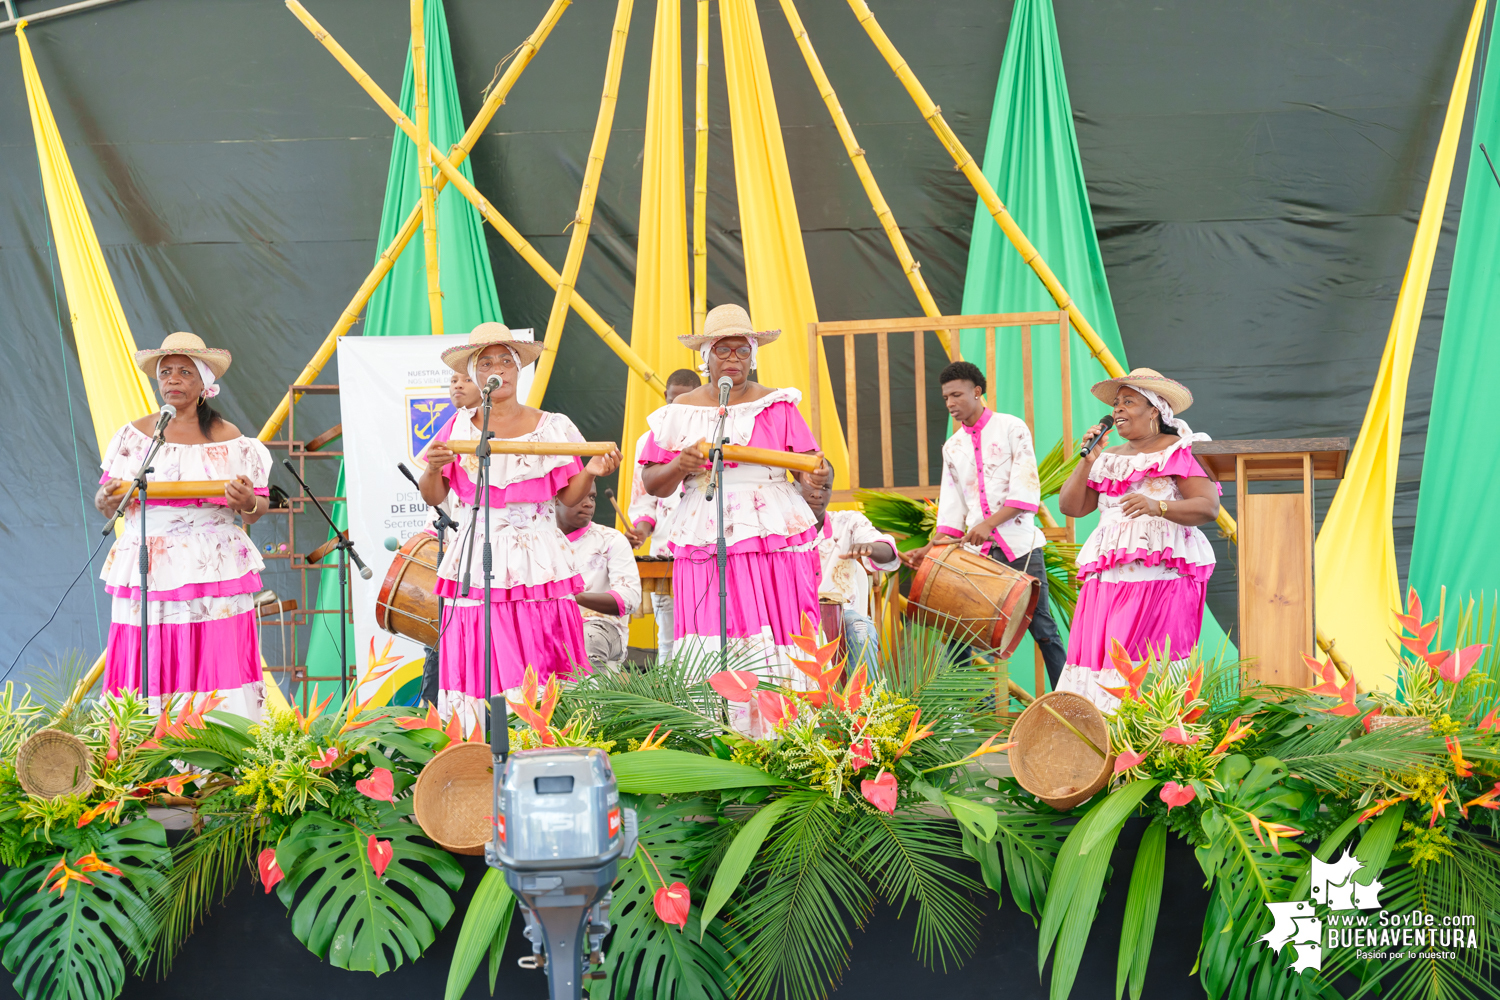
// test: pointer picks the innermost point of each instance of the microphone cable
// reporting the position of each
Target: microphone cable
(60, 600)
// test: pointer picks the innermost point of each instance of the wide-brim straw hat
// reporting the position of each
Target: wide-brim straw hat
(487, 335)
(189, 344)
(728, 320)
(1177, 395)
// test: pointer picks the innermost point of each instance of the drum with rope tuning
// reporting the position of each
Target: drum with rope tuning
(406, 604)
(977, 599)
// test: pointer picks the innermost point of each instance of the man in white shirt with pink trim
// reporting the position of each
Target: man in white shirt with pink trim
(611, 583)
(990, 494)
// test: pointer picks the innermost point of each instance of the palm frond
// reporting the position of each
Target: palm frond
(54, 686)
(912, 521)
(908, 858)
(204, 869)
(1056, 466)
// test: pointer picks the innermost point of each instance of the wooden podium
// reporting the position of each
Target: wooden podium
(1275, 551)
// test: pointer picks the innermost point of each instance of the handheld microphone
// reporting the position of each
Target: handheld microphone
(1092, 443)
(364, 571)
(725, 385)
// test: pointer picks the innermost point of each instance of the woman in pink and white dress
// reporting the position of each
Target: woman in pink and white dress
(534, 621)
(771, 535)
(203, 569)
(1144, 571)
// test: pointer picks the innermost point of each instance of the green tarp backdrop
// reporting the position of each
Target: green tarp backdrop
(1031, 158)
(399, 306)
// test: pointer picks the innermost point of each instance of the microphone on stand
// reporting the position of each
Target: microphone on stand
(491, 384)
(168, 411)
(1092, 443)
(725, 385)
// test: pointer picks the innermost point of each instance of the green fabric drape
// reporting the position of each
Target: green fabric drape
(399, 305)
(1457, 534)
(1031, 158)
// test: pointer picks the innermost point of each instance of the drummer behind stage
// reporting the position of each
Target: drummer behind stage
(611, 583)
(991, 460)
(848, 545)
(649, 515)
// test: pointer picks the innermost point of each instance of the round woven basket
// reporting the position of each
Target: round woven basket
(1050, 761)
(52, 764)
(453, 798)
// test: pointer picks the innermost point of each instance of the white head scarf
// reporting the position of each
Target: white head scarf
(210, 388)
(754, 351)
(474, 362)
(1168, 419)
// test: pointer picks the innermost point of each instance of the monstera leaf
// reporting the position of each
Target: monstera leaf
(70, 944)
(347, 913)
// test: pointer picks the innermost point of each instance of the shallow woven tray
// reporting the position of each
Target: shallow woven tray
(1051, 762)
(453, 799)
(52, 764)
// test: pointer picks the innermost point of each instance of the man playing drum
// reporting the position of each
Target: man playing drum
(990, 494)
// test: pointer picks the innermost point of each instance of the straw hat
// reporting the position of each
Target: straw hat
(728, 320)
(189, 344)
(1177, 395)
(486, 335)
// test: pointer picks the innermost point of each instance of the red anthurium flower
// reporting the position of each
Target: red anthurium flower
(1128, 759)
(380, 853)
(380, 785)
(1459, 666)
(1327, 675)
(735, 685)
(880, 793)
(776, 709)
(270, 871)
(89, 816)
(329, 756)
(113, 753)
(862, 752)
(1175, 795)
(1176, 734)
(672, 903)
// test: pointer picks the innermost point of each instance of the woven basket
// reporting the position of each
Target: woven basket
(453, 799)
(1051, 762)
(53, 764)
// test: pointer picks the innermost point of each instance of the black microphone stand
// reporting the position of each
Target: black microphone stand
(345, 550)
(482, 452)
(721, 554)
(138, 488)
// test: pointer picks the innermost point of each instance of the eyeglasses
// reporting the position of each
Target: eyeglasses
(725, 353)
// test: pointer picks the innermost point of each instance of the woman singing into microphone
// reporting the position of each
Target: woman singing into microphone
(770, 533)
(534, 622)
(203, 570)
(1144, 571)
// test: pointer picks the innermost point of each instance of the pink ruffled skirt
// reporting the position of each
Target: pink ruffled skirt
(197, 646)
(769, 592)
(545, 634)
(1146, 616)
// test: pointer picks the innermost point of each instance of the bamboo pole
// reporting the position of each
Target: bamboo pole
(181, 489)
(491, 215)
(700, 175)
(866, 177)
(82, 688)
(584, 216)
(743, 454)
(387, 258)
(590, 448)
(424, 168)
(1003, 218)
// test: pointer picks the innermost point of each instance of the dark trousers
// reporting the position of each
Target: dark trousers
(1043, 629)
(430, 678)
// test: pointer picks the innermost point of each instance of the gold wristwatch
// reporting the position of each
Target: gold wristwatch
(1163, 505)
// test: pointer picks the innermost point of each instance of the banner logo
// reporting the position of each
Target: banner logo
(426, 413)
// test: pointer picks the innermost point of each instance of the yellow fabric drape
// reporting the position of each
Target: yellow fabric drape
(781, 295)
(117, 390)
(663, 311)
(1357, 580)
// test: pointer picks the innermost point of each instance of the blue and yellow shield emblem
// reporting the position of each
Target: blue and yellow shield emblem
(426, 413)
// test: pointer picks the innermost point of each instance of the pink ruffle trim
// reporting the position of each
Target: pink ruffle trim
(247, 584)
(766, 590)
(550, 591)
(1119, 557)
(1180, 463)
(538, 490)
(218, 655)
(765, 543)
(546, 635)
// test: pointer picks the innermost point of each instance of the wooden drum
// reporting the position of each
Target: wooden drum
(977, 599)
(406, 604)
(656, 576)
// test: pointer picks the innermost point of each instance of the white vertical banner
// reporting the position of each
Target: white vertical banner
(393, 398)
